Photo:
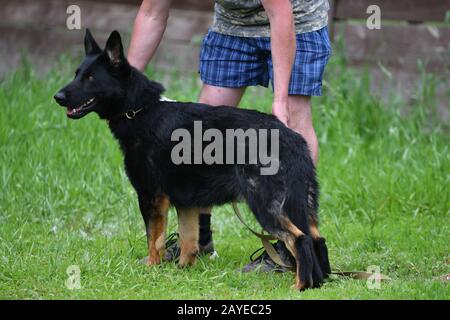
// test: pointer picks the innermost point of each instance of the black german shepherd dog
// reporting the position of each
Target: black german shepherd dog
(285, 203)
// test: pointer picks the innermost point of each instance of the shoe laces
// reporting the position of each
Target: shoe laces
(172, 239)
(260, 257)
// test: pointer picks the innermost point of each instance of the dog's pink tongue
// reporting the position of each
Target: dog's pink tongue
(70, 111)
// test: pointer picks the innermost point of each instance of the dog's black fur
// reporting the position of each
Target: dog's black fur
(290, 196)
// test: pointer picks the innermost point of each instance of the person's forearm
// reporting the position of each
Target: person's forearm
(149, 27)
(283, 47)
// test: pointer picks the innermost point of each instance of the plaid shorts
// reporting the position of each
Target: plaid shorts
(235, 62)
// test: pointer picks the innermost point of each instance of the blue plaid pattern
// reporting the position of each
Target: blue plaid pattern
(234, 62)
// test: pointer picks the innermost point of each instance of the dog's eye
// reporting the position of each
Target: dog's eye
(90, 77)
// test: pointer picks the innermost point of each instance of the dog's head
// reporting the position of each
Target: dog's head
(100, 81)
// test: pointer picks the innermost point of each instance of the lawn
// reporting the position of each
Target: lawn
(384, 171)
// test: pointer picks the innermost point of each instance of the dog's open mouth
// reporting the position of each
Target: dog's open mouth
(80, 111)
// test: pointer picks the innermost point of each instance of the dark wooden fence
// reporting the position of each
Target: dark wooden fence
(411, 30)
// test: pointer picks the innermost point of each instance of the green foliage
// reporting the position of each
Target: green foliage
(65, 200)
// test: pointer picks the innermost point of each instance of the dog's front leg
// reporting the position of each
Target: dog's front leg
(154, 211)
(188, 226)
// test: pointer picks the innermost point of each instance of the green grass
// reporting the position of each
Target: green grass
(65, 200)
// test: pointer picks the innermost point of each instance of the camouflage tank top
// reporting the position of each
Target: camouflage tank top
(247, 18)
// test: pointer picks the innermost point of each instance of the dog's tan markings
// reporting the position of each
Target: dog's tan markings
(299, 285)
(188, 224)
(313, 227)
(289, 226)
(289, 240)
(290, 245)
(158, 223)
(314, 232)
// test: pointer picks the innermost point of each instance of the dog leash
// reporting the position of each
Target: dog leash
(265, 239)
(275, 256)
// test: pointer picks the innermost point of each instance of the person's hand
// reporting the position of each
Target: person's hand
(280, 110)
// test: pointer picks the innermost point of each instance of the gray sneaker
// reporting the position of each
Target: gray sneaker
(263, 263)
(173, 249)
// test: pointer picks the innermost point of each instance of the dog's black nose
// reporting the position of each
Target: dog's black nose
(60, 97)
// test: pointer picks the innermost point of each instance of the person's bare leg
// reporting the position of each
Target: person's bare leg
(215, 96)
(219, 96)
(300, 120)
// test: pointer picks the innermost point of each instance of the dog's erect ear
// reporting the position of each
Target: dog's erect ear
(90, 46)
(114, 48)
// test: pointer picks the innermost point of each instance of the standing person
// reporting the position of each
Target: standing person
(251, 42)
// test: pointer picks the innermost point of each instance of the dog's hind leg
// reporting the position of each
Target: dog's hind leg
(301, 245)
(297, 242)
(320, 248)
(308, 273)
(270, 213)
(155, 212)
(188, 225)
